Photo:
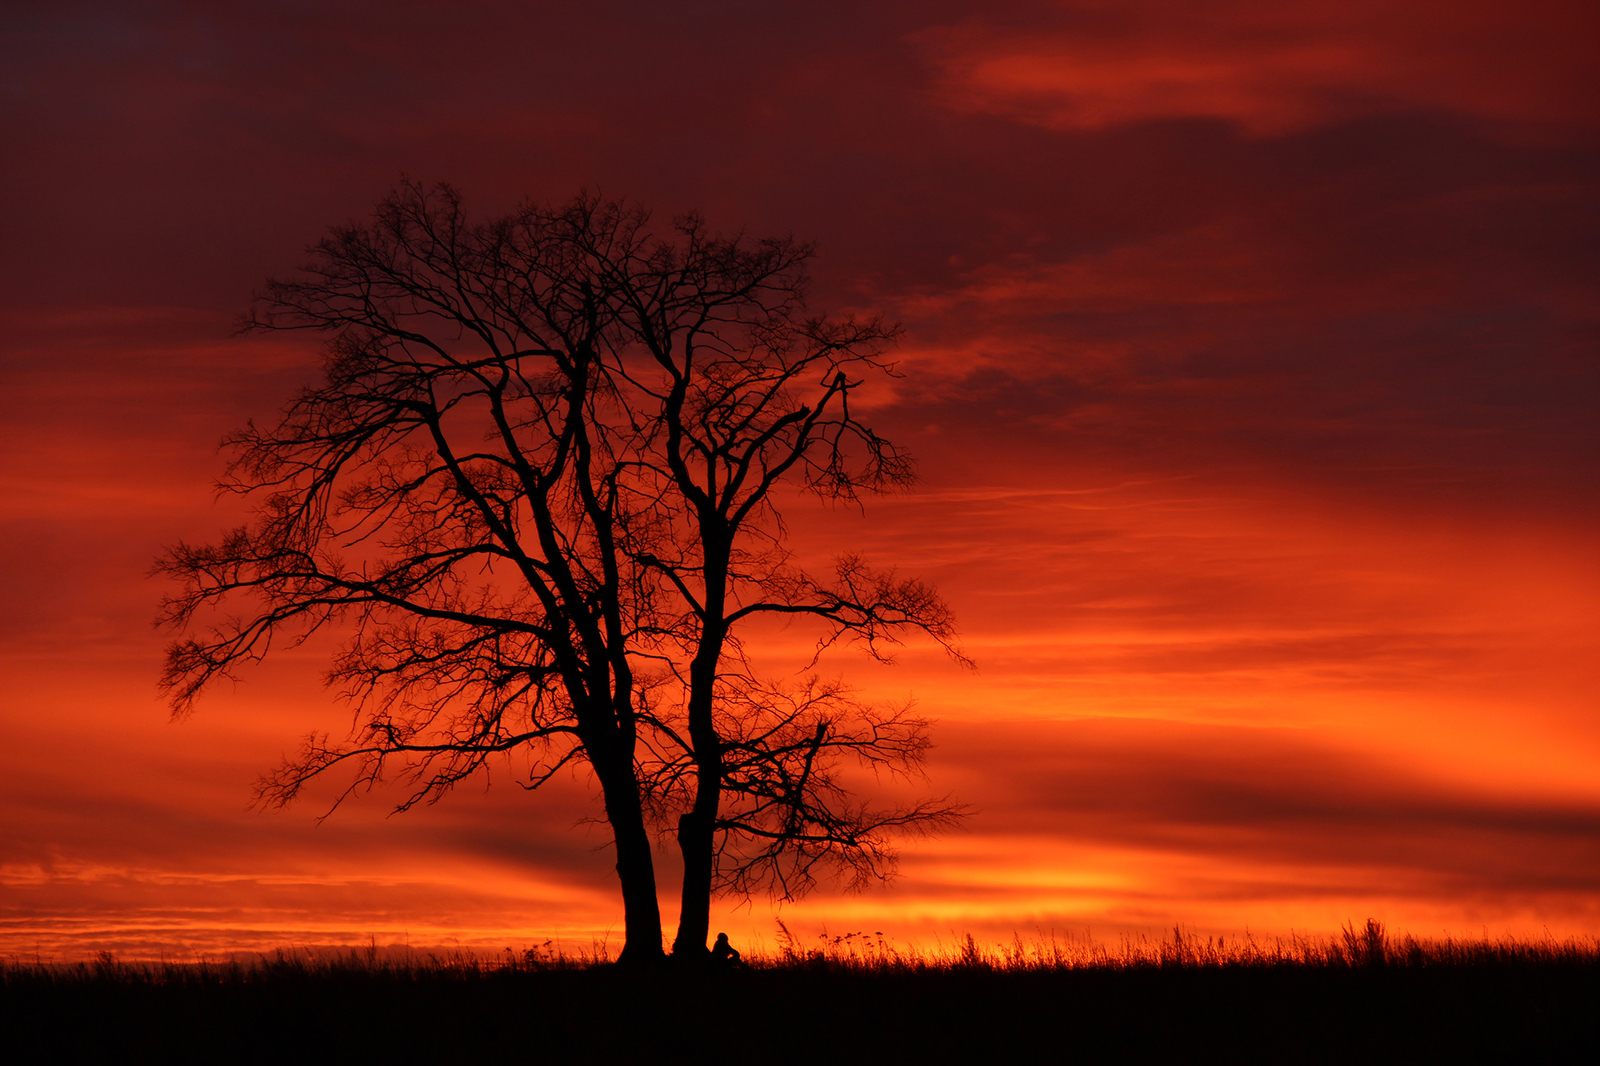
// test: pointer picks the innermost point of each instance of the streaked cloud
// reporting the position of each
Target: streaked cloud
(1271, 68)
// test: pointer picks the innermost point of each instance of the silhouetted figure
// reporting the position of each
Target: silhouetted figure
(723, 955)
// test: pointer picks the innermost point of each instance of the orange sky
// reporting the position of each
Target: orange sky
(1250, 365)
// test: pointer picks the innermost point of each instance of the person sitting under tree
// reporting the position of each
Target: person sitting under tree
(724, 956)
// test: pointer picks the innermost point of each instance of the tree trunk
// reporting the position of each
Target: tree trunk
(696, 838)
(635, 867)
(697, 829)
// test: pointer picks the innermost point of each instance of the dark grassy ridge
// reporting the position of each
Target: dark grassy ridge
(1524, 1003)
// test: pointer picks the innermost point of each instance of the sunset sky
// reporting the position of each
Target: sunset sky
(1250, 365)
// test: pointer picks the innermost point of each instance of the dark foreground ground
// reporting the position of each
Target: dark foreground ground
(812, 1013)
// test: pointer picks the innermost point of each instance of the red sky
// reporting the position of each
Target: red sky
(1250, 364)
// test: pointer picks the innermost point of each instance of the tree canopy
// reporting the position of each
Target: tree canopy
(538, 491)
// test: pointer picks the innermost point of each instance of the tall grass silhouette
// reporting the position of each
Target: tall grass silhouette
(1361, 995)
(1365, 946)
(1356, 947)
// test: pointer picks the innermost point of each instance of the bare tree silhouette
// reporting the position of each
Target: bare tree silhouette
(538, 488)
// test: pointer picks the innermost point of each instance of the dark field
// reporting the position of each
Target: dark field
(1364, 999)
